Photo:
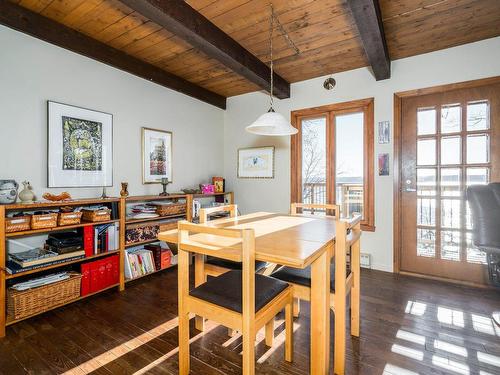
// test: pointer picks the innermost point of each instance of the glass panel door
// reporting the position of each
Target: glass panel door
(446, 146)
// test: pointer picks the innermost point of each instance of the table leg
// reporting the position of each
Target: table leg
(355, 291)
(199, 278)
(320, 315)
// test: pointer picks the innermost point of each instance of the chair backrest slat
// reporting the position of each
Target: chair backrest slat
(330, 209)
(231, 208)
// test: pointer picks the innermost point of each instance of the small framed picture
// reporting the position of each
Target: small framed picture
(156, 155)
(256, 162)
(80, 147)
(384, 132)
(383, 164)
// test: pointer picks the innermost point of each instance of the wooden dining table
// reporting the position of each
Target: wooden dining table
(295, 241)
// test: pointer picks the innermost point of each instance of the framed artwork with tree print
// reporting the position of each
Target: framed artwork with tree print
(80, 147)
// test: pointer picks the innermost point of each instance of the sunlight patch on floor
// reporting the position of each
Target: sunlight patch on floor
(489, 359)
(484, 324)
(448, 364)
(278, 341)
(171, 353)
(128, 346)
(450, 316)
(409, 336)
(408, 352)
(450, 348)
(390, 369)
(415, 308)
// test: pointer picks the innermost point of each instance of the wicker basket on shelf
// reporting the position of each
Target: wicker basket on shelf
(21, 304)
(96, 215)
(17, 224)
(171, 209)
(44, 221)
(69, 218)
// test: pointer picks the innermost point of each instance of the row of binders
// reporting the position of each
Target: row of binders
(101, 238)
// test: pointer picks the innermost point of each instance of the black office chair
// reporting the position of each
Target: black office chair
(484, 203)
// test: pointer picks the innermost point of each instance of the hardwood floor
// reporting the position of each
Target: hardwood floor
(408, 326)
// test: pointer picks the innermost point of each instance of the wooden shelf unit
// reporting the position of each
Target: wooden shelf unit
(151, 198)
(123, 222)
(4, 276)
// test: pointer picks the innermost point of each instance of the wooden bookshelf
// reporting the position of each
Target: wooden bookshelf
(151, 198)
(4, 276)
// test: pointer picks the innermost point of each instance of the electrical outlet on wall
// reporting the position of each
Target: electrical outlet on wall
(365, 260)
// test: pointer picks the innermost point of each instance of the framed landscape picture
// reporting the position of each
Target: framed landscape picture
(256, 162)
(156, 155)
(80, 147)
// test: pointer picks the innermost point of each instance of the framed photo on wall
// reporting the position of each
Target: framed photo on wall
(80, 147)
(256, 162)
(384, 132)
(156, 155)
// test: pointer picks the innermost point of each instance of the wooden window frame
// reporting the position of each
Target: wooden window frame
(367, 107)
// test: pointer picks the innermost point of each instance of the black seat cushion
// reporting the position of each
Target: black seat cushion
(303, 276)
(232, 265)
(225, 290)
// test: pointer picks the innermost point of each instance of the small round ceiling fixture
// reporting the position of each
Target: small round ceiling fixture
(329, 83)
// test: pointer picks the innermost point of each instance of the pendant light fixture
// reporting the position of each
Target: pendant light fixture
(271, 123)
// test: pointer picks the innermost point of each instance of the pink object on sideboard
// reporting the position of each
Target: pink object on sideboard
(207, 189)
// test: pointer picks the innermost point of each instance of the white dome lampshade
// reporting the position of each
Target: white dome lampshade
(271, 123)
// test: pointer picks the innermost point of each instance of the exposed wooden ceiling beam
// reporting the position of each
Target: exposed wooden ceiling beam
(367, 16)
(28, 22)
(185, 22)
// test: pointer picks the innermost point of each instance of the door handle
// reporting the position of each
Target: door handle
(410, 190)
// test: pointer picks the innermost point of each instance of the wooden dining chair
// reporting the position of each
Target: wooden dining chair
(212, 266)
(238, 299)
(343, 280)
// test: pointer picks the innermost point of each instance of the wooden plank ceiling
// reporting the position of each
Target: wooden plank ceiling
(323, 30)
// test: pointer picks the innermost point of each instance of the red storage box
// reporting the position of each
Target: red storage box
(85, 285)
(100, 274)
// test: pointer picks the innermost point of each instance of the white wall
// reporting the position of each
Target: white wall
(467, 62)
(32, 72)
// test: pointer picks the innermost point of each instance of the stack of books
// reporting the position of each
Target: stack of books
(38, 258)
(101, 238)
(138, 262)
(161, 255)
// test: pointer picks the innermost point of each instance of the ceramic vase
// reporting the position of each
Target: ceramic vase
(124, 191)
(26, 195)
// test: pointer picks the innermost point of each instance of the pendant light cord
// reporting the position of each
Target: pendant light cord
(271, 54)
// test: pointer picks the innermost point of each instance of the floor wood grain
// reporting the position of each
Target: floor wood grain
(409, 326)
